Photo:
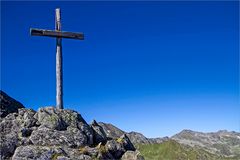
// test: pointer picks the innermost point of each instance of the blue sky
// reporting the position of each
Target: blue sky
(152, 67)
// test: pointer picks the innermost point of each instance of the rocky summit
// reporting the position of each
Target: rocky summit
(58, 134)
(63, 134)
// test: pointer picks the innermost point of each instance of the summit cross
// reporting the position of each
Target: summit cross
(58, 34)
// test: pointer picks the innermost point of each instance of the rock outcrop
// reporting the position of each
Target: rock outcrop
(136, 138)
(132, 155)
(52, 133)
(98, 133)
(111, 130)
(8, 105)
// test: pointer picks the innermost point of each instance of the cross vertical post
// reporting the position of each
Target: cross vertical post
(58, 34)
(59, 73)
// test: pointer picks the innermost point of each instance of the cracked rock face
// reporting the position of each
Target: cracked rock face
(64, 127)
(98, 133)
(115, 148)
(37, 152)
(71, 137)
(14, 130)
(52, 133)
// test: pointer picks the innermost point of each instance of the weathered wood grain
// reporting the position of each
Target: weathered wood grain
(59, 73)
(57, 34)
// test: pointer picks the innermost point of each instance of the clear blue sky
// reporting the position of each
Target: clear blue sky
(151, 67)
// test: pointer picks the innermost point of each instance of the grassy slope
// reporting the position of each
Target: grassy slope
(171, 150)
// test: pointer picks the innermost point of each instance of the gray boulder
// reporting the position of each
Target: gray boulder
(98, 133)
(9, 124)
(91, 151)
(38, 152)
(8, 105)
(51, 118)
(9, 129)
(77, 154)
(132, 155)
(111, 131)
(127, 144)
(26, 117)
(136, 138)
(33, 152)
(83, 157)
(62, 120)
(115, 148)
(15, 130)
(119, 146)
(99, 152)
(8, 145)
(72, 137)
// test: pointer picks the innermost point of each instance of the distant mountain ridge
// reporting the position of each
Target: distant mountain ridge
(172, 150)
(220, 143)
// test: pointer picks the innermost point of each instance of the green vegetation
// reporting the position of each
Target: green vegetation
(120, 140)
(55, 156)
(83, 150)
(171, 150)
(102, 149)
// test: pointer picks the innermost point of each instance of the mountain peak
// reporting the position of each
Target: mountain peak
(223, 142)
(8, 104)
(52, 132)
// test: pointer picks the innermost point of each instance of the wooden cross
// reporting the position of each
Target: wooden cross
(58, 34)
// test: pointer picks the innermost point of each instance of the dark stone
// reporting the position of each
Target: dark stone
(8, 105)
(115, 148)
(8, 145)
(98, 133)
(26, 132)
(127, 143)
(111, 131)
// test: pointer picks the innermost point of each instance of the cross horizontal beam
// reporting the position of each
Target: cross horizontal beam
(57, 34)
